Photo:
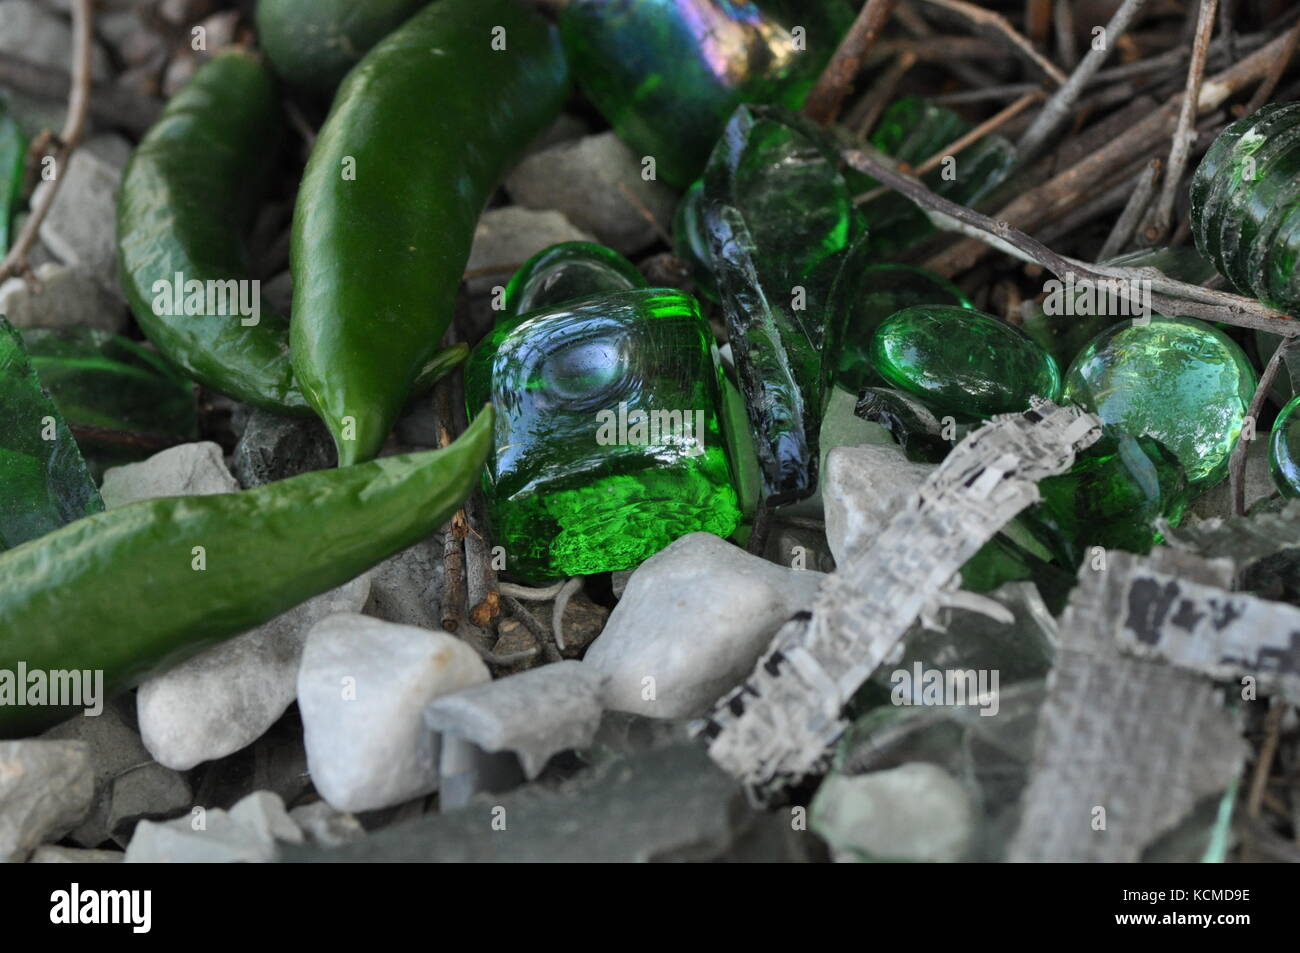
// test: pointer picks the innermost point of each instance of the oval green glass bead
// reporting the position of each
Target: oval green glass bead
(1284, 449)
(1245, 198)
(963, 362)
(885, 290)
(566, 272)
(668, 73)
(1179, 380)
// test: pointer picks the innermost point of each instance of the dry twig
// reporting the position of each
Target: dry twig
(1237, 463)
(999, 23)
(824, 102)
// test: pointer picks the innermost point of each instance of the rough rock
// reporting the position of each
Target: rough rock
(46, 789)
(148, 792)
(31, 33)
(674, 644)
(81, 226)
(362, 690)
(245, 834)
(405, 588)
(191, 469)
(507, 237)
(323, 826)
(861, 487)
(62, 297)
(274, 447)
(50, 854)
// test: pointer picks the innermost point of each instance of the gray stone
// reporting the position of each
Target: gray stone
(130, 36)
(590, 181)
(916, 811)
(115, 748)
(61, 297)
(618, 581)
(465, 770)
(841, 427)
(31, 33)
(275, 447)
(263, 812)
(507, 237)
(362, 691)
(185, 12)
(205, 836)
(276, 762)
(323, 826)
(50, 854)
(191, 469)
(691, 625)
(405, 588)
(669, 804)
(46, 789)
(81, 226)
(149, 792)
(225, 698)
(566, 128)
(862, 487)
(535, 714)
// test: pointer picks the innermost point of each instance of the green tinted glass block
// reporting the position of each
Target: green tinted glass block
(785, 243)
(668, 73)
(104, 384)
(963, 362)
(911, 131)
(1180, 381)
(885, 290)
(1284, 449)
(691, 240)
(1111, 497)
(607, 437)
(565, 272)
(1245, 197)
(44, 482)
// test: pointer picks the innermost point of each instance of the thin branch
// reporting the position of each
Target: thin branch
(1064, 22)
(1237, 464)
(1267, 752)
(866, 112)
(73, 127)
(1059, 107)
(827, 97)
(1128, 220)
(530, 622)
(1162, 211)
(529, 594)
(1167, 296)
(1274, 76)
(113, 105)
(988, 18)
(567, 591)
(962, 142)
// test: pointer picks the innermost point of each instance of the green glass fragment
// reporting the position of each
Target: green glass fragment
(44, 482)
(963, 362)
(566, 272)
(608, 445)
(1284, 449)
(910, 131)
(785, 242)
(1245, 198)
(1111, 498)
(691, 240)
(113, 390)
(1178, 380)
(885, 290)
(13, 154)
(668, 73)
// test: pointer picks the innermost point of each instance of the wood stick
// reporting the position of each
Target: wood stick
(1158, 220)
(1063, 20)
(1275, 73)
(1237, 463)
(999, 23)
(866, 112)
(827, 97)
(1127, 222)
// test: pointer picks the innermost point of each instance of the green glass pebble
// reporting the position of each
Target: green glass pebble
(608, 445)
(1284, 449)
(1111, 497)
(963, 362)
(566, 272)
(885, 290)
(1178, 380)
(668, 73)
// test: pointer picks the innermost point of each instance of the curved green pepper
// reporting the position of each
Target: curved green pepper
(420, 133)
(130, 590)
(187, 198)
(313, 43)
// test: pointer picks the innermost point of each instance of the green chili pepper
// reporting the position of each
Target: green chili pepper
(420, 133)
(313, 43)
(138, 588)
(187, 198)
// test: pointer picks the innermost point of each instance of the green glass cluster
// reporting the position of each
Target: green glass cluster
(44, 482)
(963, 362)
(565, 272)
(1284, 449)
(1179, 380)
(1246, 205)
(668, 73)
(912, 130)
(607, 443)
